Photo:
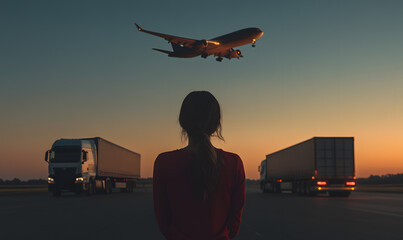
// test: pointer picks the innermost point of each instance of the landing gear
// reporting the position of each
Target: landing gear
(204, 55)
(219, 59)
(253, 43)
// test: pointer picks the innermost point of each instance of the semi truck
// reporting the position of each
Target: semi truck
(91, 165)
(317, 165)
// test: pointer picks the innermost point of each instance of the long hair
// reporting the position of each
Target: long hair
(200, 118)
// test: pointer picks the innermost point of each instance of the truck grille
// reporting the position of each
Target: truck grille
(64, 176)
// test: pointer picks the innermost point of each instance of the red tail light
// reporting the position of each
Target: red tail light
(350, 183)
(321, 183)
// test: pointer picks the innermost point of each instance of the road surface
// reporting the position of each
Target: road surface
(266, 216)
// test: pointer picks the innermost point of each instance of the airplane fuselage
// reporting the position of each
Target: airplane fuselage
(220, 47)
(235, 39)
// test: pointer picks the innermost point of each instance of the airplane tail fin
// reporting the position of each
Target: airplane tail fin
(163, 51)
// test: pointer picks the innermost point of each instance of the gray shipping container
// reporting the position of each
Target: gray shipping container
(116, 161)
(322, 157)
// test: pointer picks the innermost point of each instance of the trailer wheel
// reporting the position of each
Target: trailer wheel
(91, 187)
(103, 187)
(108, 186)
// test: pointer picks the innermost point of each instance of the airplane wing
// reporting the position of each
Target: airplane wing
(186, 42)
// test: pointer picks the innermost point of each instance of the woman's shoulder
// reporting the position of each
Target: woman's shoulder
(170, 154)
(230, 156)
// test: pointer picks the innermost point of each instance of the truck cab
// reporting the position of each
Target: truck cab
(262, 171)
(71, 165)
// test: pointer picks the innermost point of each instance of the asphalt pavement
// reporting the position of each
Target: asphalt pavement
(266, 216)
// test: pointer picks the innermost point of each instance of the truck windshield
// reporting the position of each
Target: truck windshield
(65, 155)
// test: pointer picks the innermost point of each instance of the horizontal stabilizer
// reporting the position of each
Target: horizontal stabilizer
(163, 51)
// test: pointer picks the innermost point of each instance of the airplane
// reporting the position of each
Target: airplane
(221, 47)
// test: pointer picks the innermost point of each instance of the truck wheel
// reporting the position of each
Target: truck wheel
(91, 187)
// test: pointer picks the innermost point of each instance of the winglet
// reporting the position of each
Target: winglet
(138, 27)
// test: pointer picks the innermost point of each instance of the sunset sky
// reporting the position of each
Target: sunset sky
(72, 69)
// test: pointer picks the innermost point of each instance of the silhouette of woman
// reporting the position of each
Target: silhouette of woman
(199, 191)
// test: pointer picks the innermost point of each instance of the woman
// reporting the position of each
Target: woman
(199, 191)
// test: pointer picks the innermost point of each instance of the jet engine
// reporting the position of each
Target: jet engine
(234, 54)
(200, 45)
(204, 42)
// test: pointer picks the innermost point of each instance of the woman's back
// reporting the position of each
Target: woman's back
(199, 191)
(182, 215)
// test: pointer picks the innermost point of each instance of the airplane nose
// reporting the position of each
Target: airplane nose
(259, 33)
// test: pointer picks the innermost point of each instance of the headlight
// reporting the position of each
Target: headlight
(79, 180)
(51, 180)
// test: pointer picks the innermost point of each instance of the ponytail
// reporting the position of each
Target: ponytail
(205, 167)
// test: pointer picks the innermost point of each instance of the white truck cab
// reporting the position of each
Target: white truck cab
(91, 165)
(71, 165)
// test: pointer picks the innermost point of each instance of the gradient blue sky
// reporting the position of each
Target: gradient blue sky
(81, 69)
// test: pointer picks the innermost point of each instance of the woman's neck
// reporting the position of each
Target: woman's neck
(193, 146)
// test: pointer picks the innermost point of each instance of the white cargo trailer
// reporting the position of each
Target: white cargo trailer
(318, 165)
(91, 165)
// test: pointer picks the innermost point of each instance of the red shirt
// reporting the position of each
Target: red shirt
(180, 216)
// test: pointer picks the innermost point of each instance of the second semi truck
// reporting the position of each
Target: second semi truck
(91, 165)
(318, 165)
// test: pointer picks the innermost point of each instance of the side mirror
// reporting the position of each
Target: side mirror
(84, 156)
(46, 156)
